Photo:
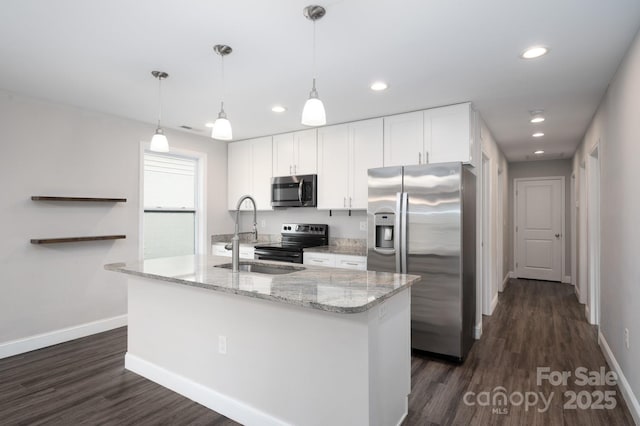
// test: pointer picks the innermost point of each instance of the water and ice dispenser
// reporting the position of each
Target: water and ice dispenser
(384, 226)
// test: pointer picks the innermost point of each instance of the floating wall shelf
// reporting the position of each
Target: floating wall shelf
(76, 239)
(47, 198)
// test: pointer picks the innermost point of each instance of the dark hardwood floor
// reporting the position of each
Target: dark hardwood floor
(536, 324)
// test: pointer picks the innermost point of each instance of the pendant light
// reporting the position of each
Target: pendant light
(159, 142)
(313, 113)
(222, 127)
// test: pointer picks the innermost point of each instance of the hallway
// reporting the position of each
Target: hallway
(536, 324)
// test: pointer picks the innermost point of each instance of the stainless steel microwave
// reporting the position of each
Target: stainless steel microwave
(294, 191)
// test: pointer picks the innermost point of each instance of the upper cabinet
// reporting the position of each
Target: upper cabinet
(249, 172)
(435, 135)
(345, 153)
(404, 139)
(295, 153)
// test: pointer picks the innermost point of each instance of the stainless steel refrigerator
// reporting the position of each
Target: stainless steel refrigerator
(422, 221)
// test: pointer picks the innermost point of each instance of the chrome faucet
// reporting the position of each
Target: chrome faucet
(235, 241)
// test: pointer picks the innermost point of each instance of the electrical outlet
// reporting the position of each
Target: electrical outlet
(626, 337)
(222, 345)
(363, 225)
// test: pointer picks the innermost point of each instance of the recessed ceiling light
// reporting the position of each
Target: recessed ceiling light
(536, 116)
(539, 152)
(538, 135)
(209, 125)
(378, 86)
(534, 52)
(278, 108)
(537, 119)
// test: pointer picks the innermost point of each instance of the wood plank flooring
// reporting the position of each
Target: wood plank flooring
(536, 324)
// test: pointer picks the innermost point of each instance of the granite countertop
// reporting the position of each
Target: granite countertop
(337, 249)
(327, 289)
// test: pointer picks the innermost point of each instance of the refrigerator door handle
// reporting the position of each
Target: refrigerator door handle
(397, 237)
(404, 240)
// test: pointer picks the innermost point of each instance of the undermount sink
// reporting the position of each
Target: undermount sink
(261, 268)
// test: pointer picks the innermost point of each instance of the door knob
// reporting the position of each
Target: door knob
(557, 235)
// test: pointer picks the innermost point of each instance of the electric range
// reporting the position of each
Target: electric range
(295, 237)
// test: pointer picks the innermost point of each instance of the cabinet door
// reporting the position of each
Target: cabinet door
(403, 139)
(261, 169)
(450, 137)
(333, 167)
(238, 172)
(283, 154)
(305, 152)
(351, 262)
(319, 259)
(366, 153)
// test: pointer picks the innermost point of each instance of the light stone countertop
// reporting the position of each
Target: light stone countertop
(328, 289)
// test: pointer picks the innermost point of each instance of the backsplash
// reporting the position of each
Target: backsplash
(341, 225)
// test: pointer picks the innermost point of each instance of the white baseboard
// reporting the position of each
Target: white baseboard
(201, 394)
(566, 279)
(39, 341)
(477, 331)
(505, 281)
(494, 303)
(623, 384)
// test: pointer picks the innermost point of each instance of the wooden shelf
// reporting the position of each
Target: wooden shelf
(76, 239)
(91, 199)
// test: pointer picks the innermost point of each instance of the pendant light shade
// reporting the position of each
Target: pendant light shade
(159, 142)
(313, 113)
(222, 126)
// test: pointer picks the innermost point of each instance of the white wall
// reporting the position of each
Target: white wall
(49, 149)
(536, 169)
(616, 128)
(499, 172)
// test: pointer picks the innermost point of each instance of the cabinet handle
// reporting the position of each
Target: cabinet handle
(316, 260)
(295, 169)
(349, 202)
(290, 170)
(426, 154)
(419, 158)
(351, 263)
(344, 202)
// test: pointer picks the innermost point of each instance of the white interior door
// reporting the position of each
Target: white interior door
(539, 228)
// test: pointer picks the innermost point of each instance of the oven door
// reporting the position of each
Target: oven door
(294, 191)
(279, 256)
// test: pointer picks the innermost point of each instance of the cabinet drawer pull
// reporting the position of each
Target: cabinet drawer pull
(352, 263)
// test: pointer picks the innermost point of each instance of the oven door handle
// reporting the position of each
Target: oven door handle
(300, 186)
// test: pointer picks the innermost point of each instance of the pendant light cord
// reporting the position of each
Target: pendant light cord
(159, 100)
(314, 50)
(223, 82)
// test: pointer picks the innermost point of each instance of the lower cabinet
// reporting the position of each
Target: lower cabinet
(336, 261)
(246, 252)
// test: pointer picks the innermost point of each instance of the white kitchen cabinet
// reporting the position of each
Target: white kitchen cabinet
(435, 135)
(448, 136)
(351, 262)
(249, 172)
(345, 153)
(319, 259)
(246, 252)
(332, 260)
(295, 153)
(403, 139)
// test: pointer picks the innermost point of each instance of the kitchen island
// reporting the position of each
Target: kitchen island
(313, 346)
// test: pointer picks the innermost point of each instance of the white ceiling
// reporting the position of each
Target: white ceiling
(99, 54)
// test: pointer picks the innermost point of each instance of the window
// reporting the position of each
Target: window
(171, 210)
